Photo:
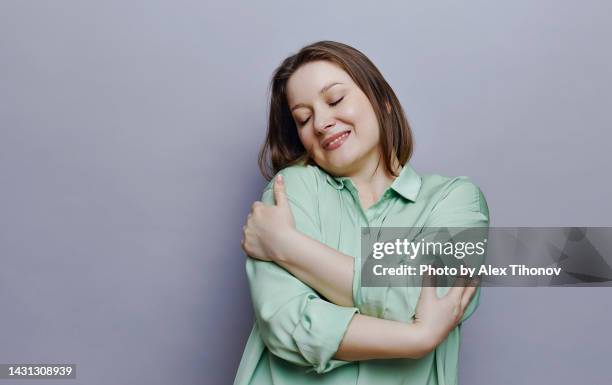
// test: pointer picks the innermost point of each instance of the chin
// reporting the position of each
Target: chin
(339, 162)
(339, 167)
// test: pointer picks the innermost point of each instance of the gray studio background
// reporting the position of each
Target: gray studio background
(129, 134)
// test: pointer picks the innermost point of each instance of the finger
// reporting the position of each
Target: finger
(458, 288)
(279, 191)
(467, 296)
(474, 282)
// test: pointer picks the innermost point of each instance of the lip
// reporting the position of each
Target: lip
(331, 138)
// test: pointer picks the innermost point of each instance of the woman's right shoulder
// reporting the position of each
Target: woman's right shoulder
(300, 180)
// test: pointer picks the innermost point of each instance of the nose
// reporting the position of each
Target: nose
(323, 125)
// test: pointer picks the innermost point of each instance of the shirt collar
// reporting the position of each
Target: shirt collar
(407, 184)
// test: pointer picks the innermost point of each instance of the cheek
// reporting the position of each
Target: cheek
(365, 122)
(358, 111)
(351, 113)
(307, 139)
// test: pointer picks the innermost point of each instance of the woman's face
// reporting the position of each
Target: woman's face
(335, 120)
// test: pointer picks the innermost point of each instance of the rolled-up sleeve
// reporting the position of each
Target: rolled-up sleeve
(296, 324)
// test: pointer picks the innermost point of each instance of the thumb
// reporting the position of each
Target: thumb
(279, 191)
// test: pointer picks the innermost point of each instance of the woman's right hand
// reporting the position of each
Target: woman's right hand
(436, 317)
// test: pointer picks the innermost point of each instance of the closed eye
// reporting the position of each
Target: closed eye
(331, 104)
(336, 102)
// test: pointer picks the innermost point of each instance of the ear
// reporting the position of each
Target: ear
(388, 107)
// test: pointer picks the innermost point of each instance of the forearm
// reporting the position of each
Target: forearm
(321, 267)
(374, 338)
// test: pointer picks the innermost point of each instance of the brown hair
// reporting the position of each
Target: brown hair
(283, 147)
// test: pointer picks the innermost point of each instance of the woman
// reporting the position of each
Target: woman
(338, 145)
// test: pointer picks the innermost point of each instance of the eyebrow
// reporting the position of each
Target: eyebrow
(327, 87)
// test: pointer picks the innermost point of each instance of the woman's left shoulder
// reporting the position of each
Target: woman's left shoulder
(454, 191)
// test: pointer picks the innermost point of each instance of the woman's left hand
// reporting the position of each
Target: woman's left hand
(266, 225)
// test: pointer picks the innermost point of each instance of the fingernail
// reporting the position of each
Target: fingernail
(280, 179)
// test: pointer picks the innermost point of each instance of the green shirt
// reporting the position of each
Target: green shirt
(297, 332)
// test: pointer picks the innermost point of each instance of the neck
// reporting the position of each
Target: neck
(372, 180)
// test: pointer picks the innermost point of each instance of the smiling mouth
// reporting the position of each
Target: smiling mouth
(336, 140)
